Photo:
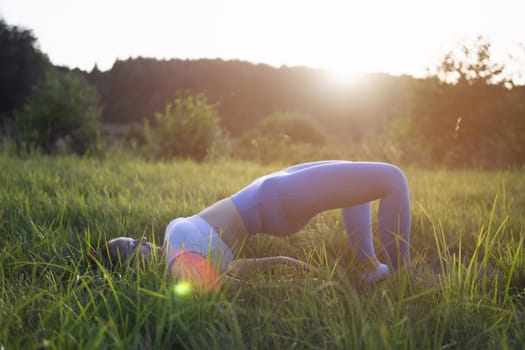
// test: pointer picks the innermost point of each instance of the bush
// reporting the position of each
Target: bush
(62, 111)
(290, 126)
(189, 128)
(283, 137)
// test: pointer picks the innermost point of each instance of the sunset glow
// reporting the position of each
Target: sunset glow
(348, 37)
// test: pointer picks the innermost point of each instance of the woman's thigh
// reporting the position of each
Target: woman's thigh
(330, 185)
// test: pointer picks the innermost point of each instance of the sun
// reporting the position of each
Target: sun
(344, 75)
(341, 77)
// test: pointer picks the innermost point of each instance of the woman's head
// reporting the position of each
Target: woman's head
(120, 250)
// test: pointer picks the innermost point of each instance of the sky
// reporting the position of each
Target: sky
(346, 37)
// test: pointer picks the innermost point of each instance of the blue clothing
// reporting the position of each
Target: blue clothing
(283, 202)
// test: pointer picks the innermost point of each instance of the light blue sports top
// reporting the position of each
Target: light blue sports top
(194, 234)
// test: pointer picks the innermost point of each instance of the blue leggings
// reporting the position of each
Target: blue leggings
(283, 202)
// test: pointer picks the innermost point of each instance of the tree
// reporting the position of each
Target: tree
(471, 64)
(63, 106)
(189, 128)
(290, 126)
(461, 116)
(21, 66)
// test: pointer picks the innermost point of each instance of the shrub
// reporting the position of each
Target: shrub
(62, 109)
(283, 137)
(189, 127)
(290, 126)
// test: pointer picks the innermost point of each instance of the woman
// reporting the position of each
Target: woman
(280, 204)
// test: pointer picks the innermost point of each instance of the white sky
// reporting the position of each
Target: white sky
(396, 36)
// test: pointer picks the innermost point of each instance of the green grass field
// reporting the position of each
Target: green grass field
(469, 225)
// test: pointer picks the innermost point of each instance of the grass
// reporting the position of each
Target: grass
(467, 225)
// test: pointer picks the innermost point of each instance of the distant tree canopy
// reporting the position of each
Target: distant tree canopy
(471, 64)
(62, 106)
(467, 112)
(245, 93)
(472, 119)
(21, 66)
(475, 120)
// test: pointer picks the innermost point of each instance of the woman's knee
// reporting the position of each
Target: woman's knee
(395, 177)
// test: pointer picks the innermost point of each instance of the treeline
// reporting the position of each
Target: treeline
(244, 92)
(465, 113)
(474, 121)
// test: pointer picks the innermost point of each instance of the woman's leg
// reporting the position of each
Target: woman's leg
(357, 221)
(308, 191)
(394, 227)
(302, 166)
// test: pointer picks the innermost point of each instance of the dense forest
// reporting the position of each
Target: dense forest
(477, 118)
(472, 121)
(245, 93)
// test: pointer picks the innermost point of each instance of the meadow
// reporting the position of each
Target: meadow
(467, 289)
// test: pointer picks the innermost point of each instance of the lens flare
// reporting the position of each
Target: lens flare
(182, 288)
(196, 270)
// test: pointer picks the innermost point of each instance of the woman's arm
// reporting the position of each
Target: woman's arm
(247, 267)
